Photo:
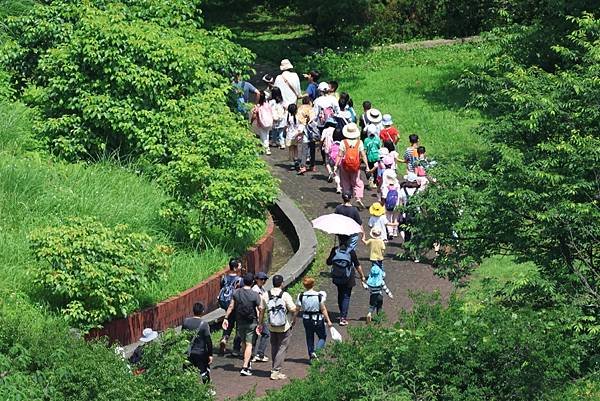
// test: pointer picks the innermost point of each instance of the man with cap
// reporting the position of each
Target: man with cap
(279, 300)
(258, 349)
(351, 152)
(289, 83)
(248, 308)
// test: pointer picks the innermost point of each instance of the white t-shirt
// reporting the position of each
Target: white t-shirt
(292, 128)
(323, 102)
(281, 123)
(352, 143)
(327, 138)
(289, 96)
(379, 222)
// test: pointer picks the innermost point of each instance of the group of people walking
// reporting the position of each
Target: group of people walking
(322, 122)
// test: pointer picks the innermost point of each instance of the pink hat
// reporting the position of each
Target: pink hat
(388, 160)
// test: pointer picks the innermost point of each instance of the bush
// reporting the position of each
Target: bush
(462, 352)
(144, 80)
(93, 273)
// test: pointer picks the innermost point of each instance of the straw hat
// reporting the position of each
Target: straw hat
(148, 335)
(374, 116)
(285, 65)
(387, 120)
(377, 209)
(351, 131)
(375, 232)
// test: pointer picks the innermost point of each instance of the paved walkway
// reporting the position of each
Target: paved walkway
(316, 196)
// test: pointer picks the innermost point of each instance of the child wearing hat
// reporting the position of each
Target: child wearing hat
(376, 246)
(376, 285)
(378, 219)
(388, 133)
(390, 193)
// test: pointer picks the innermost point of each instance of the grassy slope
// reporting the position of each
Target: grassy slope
(35, 192)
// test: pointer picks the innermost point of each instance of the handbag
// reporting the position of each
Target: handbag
(335, 335)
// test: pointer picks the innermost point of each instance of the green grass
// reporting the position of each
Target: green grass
(36, 192)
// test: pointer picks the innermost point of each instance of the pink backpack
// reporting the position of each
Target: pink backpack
(265, 116)
(325, 114)
(334, 150)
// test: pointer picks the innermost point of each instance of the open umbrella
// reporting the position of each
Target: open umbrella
(336, 224)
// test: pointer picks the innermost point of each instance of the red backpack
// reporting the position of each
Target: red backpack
(351, 161)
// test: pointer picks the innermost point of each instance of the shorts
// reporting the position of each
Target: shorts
(375, 303)
(247, 331)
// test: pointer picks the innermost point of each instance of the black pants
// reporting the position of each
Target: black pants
(201, 362)
(311, 148)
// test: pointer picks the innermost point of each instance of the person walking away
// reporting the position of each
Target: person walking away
(391, 200)
(411, 154)
(374, 117)
(408, 188)
(364, 119)
(247, 307)
(344, 265)
(268, 81)
(313, 81)
(293, 133)
(314, 314)
(347, 209)
(327, 143)
(379, 220)
(372, 146)
(334, 151)
(351, 152)
(376, 286)
(281, 315)
(325, 106)
(259, 348)
(349, 109)
(376, 246)
(388, 133)
(200, 350)
(278, 110)
(289, 83)
(261, 119)
(422, 166)
(229, 283)
(243, 91)
(333, 87)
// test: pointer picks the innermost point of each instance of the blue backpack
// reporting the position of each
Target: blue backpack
(341, 267)
(391, 200)
(226, 294)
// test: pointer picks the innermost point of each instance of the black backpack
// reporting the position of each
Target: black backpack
(246, 310)
(341, 267)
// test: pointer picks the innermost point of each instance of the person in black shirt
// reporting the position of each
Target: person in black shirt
(345, 290)
(200, 352)
(346, 209)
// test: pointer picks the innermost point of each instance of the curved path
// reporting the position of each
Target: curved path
(315, 196)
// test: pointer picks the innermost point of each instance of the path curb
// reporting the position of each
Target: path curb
(303, 239)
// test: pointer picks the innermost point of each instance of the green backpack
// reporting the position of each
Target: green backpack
(372, 148)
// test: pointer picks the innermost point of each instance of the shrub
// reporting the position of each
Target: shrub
(93, 273)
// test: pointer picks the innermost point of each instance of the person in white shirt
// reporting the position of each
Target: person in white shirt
(259, 348)
(289, 83)
(323, 102)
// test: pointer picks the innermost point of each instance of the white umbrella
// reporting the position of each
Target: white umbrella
(336, 224)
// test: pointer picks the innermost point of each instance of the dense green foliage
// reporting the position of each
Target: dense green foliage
(143, 80)
(41, 360)
(362, 22)
(95, 272)
(535, 192)
(479, 351)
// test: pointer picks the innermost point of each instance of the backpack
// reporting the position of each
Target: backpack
(312, 131)
(325, 114)
(265, 116)
(226, 293)
(372, 148)
(341, 121)
(351, 161)
(301, 297)
(334, 150)
(278, 112)
(341, 267)
(246, 311)
(277, 310)
(391, 200)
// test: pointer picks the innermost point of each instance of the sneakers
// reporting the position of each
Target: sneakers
(277, 375)
(282, 147)
(314, 169)
(343, 322)
(313, 356)
(338, 191)
(360, 204)
(260, 358)
(268, 151)
(246, 372)
(369, 318)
